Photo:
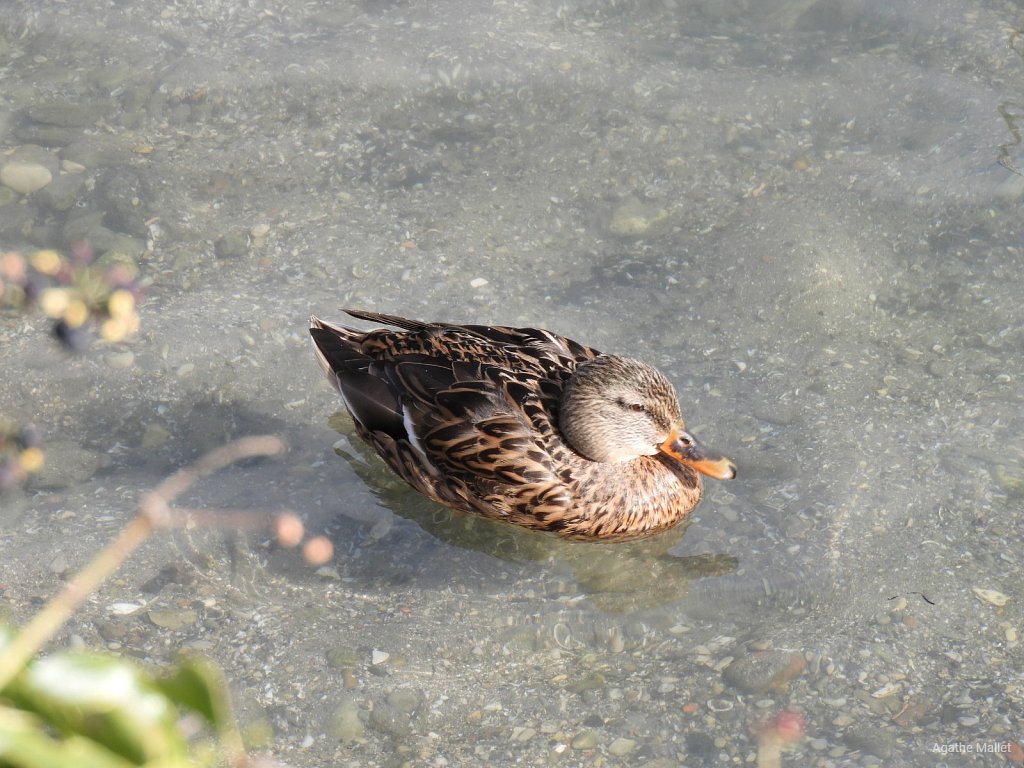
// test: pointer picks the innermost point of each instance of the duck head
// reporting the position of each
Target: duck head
(616, 408)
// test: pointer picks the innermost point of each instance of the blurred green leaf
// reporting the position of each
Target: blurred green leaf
(198, 685)
(103, 699)
(85, 710)
(26, 743)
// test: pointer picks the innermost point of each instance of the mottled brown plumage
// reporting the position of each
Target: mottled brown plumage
(520, 424)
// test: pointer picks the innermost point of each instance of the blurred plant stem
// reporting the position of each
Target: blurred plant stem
(154, 513)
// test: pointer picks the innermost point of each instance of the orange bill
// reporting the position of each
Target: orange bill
(684, 447)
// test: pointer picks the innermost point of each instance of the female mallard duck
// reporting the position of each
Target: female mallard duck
(520, 424)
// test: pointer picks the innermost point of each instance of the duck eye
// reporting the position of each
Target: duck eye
(630, 405)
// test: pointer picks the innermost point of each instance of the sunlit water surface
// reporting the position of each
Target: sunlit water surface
(795, 209)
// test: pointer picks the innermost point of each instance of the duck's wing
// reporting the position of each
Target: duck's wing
(489, 435)
(467, 413)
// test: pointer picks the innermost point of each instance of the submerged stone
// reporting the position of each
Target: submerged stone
(25, 178)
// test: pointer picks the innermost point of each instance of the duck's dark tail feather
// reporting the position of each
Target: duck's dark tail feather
(367, 394)
(395, 320)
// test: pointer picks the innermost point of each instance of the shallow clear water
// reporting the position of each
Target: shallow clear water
(795, 209)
